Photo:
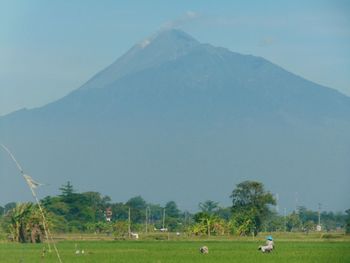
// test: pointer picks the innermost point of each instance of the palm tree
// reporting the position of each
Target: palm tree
(25, 223)
(209, 206)
(206, 220)
(18, 217)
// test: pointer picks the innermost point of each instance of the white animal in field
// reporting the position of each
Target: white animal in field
(204, 250)
(77, 251)
(134, 235)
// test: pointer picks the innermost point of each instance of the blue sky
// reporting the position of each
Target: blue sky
(49, 48)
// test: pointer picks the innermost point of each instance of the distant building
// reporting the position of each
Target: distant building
(109, 214)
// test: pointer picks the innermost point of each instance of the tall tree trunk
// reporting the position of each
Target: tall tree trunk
(208, 226)
(22, 234)
(35, 234)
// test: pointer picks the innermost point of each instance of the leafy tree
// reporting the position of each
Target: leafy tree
(119, 211)
(209, 206)
(121, 229)
(250, 205)
(9, 206)
(306, 215)
(67, 191)
(274, 222)
(56, 205)
(77, 209)
(219, 226)
(208, 221)
(172, 220)
(172, 210)
(99, 227)
(172, 224)
(347, 222)
(293, 222)
(18, 218)
(309, 226)
(242, 223)
(198, 229)
(2, 211)
(25, 223)
(329, 220)
(97, 203)
(224, 213)
(155, 214)
(332, 220)
(136, 202)
(137, 207)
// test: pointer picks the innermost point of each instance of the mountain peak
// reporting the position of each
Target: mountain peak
(171, 38)
(163, 46)
(175, 108)
(174, 35)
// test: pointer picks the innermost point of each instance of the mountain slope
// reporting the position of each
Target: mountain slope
(150, 52)
(173, 111)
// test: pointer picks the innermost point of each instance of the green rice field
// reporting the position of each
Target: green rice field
(179, 251)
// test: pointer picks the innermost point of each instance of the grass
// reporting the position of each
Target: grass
(179, 251)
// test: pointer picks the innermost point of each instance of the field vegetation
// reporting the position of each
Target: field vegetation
(179, 251)
(89, 227)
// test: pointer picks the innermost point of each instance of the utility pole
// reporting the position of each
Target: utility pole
(285, 219)
(146, 219)
(277, 203)
(296, 203)
(129, 224)
(319, 228)
(149, 216)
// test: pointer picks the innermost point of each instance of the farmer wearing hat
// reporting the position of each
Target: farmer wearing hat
(269, 245)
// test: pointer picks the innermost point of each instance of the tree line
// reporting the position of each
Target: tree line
(251, 212)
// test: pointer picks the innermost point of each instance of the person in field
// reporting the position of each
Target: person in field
(269, 245)
(204, 250)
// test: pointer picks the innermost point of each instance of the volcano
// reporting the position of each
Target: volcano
(176, 119)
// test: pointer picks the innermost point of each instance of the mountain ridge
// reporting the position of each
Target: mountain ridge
(175, 111)
(182, 42)
(172, 34)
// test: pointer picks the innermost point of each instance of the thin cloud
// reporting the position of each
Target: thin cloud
(186, 18)
(267, 41)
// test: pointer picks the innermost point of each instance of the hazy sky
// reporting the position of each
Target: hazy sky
(49, 48)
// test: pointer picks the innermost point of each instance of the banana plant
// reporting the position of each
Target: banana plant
(25, 223)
